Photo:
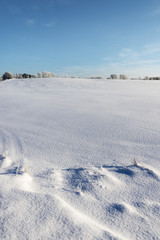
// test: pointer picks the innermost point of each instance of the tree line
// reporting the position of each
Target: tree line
(9, 75)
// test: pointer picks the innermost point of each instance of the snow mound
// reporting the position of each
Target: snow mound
(92, 201)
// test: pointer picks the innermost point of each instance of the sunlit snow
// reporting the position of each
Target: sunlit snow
(79, 159)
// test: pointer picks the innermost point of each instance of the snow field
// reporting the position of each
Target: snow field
(67, 168)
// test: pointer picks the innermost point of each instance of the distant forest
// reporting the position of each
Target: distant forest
(9, 75)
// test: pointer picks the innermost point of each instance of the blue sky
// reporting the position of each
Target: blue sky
(80, 37)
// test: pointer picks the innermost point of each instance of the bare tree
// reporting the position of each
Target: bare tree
(45, 75)
(146, 78)
(122, 76)
(18, 75)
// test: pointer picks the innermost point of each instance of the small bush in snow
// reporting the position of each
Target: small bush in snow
(114, 76)
(7, 75)
(154, 78)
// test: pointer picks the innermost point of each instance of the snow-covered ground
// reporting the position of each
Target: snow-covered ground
(79, 159)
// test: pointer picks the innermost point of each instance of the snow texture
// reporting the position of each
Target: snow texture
(79, 159)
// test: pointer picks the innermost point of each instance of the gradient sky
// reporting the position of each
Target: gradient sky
(80, 37)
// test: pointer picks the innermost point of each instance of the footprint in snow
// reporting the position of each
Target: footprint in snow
(116, 208)
(120, 170)
(4, 161)
(130, 171)
(89, 180)
(1, 159)
(20, 178)
(51, 178)
(15, 171)
(149, 172)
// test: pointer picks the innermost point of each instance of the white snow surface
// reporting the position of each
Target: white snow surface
(79, 159)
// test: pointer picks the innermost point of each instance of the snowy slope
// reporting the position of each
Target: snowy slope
(67, 150)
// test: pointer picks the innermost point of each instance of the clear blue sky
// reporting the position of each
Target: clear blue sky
(80, 37)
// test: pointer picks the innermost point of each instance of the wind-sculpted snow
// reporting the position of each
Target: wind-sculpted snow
(79, 159)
